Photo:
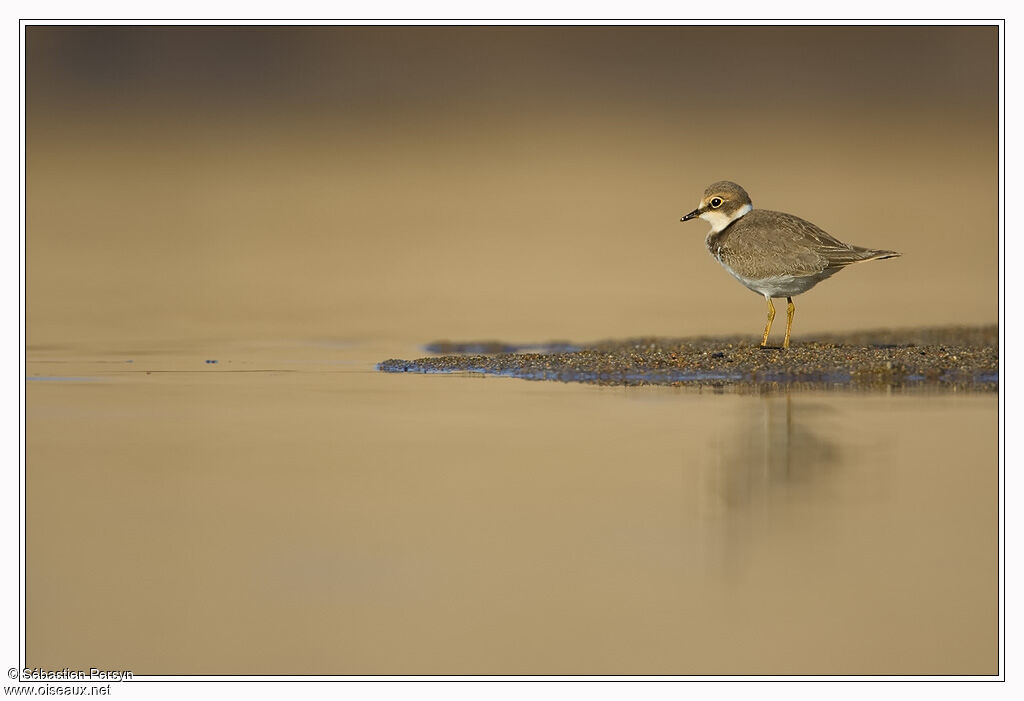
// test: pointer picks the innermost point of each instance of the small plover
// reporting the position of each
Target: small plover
(772, 253)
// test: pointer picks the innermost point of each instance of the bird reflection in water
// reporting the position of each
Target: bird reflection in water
(769, 463)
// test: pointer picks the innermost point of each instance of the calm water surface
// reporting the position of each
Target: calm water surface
(288, 510)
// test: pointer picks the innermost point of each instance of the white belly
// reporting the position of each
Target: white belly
(778, 286)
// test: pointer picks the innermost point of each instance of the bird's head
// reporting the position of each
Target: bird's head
(723, 203)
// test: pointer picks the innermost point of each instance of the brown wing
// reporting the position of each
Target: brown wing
(766, 244)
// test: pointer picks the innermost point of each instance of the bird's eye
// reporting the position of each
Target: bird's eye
(716, 202)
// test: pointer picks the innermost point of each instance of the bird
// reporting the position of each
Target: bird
(772, 253)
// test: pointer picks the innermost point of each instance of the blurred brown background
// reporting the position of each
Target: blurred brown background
(523, 183)
(287, 510)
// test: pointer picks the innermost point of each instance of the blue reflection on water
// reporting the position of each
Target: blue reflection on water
(668, 376)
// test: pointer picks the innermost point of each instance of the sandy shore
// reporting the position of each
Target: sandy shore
(948, 357)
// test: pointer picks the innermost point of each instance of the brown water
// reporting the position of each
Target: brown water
(299, 205)
(290, 510)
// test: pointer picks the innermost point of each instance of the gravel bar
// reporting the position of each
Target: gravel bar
(962, 358)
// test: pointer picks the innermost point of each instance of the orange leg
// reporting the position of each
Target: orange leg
(790, 308)
(771, 318)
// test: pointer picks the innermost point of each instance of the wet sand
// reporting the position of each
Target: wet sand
(953, 357)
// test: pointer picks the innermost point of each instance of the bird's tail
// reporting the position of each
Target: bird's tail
(841, 257)
(865, 254)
